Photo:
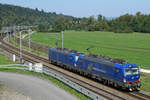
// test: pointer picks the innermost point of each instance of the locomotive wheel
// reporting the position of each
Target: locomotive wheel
(105, 82)
(137, 89)
(115, 85)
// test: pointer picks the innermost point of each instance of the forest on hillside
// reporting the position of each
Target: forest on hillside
(50, 21)
(16, 15)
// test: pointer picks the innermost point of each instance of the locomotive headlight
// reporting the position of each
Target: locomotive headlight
(130, 66)
(124, 80)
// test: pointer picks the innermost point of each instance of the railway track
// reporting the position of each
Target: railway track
(140, 95)
(34, 58)
(100, 89)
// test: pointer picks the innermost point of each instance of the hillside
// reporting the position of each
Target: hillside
(15, 15)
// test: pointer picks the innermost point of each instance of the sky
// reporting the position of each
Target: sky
(86, 8)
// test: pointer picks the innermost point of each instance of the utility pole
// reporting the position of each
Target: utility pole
(20, 48)
(7, 34)
(29, 40)
(62, 39)
(14, 29)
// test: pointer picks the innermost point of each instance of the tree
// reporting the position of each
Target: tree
(36, 9)
(43, 28)
(91, 24)
(100, 18)
(0, 27)
(60, 24)
(0, 23)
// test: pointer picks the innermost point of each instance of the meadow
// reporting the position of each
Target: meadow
(133, 48)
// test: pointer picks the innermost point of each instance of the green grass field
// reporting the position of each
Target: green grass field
(145, 80)
(134, 48)
(4, 60)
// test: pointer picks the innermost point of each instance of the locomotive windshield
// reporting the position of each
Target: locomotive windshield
(130, 71)
(127, 71)
(135, 70)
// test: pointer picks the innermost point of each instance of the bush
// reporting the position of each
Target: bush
(125, 30)
(43, 28)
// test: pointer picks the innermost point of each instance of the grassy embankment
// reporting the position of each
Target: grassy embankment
(4, 60)
(27, 48)
(133, 48)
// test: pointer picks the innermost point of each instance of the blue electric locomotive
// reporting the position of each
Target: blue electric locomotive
(110, 71)
(62, 57)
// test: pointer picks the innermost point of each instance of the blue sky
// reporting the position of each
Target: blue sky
(86, 8)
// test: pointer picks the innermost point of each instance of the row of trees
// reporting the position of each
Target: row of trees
(123, 24)
(130, 23)
(15, 15)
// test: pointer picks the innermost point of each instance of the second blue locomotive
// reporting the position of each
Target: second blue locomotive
(114, 72)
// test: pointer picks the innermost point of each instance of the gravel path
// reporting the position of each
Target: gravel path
(34, 87)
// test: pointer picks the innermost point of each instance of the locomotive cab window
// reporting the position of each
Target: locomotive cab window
(127, 71)
(130, 71)
(135, 70)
